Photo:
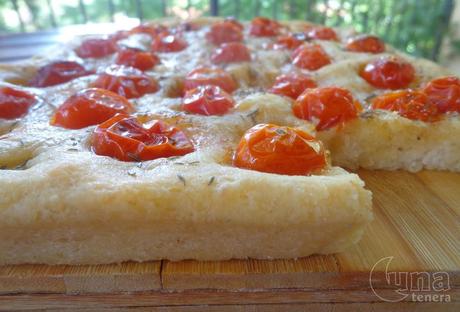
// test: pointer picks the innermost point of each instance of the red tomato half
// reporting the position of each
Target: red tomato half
(168, 43)
(223, 32)
(321, 33)
(445, 93)
(126, 138)
(207, 100)
(388, 73)
(57, 73)
(210, 76)
(411, 104)
(366, 44)
(137, 59)
(126, 81)
(14, 103)
(289, 42)
(264, 27)
(151, 30)
(232, 52)
(96, 48)
(328, 107)
(281, 150)
(310, 56)
(89, 107)
(292, 84)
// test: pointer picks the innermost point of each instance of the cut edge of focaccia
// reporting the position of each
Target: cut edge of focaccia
(76, 213)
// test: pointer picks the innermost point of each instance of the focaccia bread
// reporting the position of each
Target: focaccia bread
(69, 194)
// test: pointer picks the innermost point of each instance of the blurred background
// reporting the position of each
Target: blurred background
(428, 28)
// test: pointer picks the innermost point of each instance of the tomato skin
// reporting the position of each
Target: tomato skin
(210, 76)
(126, 138)
(310, 56)
(292, 84)
(126, 81)
(58, 72)
(151, 30)
(281, 150)
(322, 33)
(366, 44)
(96, 48)
(411, 104)
(289, 42)
(167, 43)
(207, 100)
(445, 93)
(89, 107)
(14, 103)
(264, 27)
(232, 52)
(224, 32)
(329, 106)
(137, 59)
(388, 73)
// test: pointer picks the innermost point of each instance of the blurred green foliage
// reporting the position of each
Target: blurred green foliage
(415, 26)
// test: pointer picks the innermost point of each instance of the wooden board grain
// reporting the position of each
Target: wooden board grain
(416, 223)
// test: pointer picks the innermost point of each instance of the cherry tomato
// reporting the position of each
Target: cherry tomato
(310, 56)
(388, 73)
(126, 81)
(96, 48)
(289, 42)
(445, 93)
(137, 59)
(207, 100)
(327, 107)
(151, 30)
(232, 52)
(366, 43)
(89, 107)
(223, 32)
(292, 84)
(210, 76)
(235, 22)
(264, 27)
(14, 103)
(282, 150)
(126, 138)
(321, 33)
(57, 73)
(168, 43)
(411, 104)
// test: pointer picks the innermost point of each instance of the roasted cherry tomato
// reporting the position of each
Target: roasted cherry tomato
(321, 33)
(96, 48)
(168, 43)
(292, 84)
(327, 107)
(445, 93)
(14, 103)
(235, 22)
(388, 73)
(223, 32)
(126, 138)
(151, 30)
(137, 58)
(310, 56)
(264, 27)
(366, 43)
(411, 104)
(289, 42)
(207, 100)
(281, 150)
(210, 76)
(90, 107)
(232, 52)
(126, 81)
(57, 73)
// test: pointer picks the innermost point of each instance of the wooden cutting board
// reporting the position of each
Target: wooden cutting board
(416, 223)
